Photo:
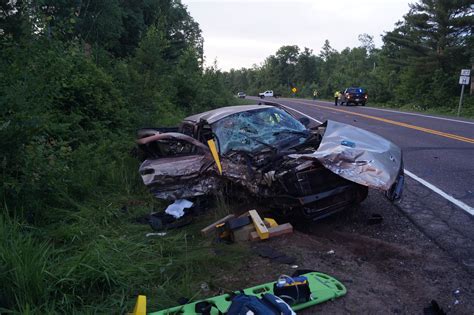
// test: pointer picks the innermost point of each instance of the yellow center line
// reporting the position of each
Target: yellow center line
(397, 123)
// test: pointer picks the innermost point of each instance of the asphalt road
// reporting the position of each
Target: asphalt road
(439, 161)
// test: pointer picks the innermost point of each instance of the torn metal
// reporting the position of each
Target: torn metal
(265, 152)
(358, 155)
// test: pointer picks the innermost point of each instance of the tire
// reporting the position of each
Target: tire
(363, 103)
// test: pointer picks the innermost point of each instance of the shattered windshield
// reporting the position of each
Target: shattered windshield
(254, 130)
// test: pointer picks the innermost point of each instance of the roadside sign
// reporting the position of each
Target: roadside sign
(294, 90)
(464, 79)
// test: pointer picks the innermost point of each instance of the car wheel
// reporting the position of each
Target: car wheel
(363, 104)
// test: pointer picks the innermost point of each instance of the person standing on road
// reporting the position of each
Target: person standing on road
(336, 97)
(315, 94)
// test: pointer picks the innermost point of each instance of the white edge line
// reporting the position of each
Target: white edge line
(421, 115)
(450, 198)
(399, 112)
(320, 122)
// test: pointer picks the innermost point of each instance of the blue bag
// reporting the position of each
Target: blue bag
(269, 304)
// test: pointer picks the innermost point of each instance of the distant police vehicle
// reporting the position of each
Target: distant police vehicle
(354, 95)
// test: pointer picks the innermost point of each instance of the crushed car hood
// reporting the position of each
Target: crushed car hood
(358, 155)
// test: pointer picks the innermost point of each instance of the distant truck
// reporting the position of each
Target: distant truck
(353, 95)
(241, 95)
(268, 93)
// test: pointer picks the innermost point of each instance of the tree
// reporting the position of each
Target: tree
(307, 67)
(436, 32)
(287, 57)
(367, 42)
(430, 45)
(327, 51)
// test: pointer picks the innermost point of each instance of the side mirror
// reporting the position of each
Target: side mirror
(304, 120)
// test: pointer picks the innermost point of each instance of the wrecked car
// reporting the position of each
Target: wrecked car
(266, 152)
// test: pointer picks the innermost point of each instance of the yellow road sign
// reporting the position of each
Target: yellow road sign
(294, 90)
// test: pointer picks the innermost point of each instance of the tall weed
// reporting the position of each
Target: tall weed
(24, 275)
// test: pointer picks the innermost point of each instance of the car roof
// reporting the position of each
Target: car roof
(219, 113)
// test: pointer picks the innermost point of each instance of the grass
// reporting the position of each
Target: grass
(75, 246)
(467, 110)
(243, 101)
(92, 256)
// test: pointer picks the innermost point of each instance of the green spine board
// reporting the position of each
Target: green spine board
(323, 288)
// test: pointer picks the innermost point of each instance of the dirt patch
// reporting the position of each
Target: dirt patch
(389, 267)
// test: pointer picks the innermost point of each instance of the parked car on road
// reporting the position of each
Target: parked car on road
(268, 93)
(241, 95)
(265, 152)
(354, 95)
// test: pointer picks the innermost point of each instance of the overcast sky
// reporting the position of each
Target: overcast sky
(240, 33)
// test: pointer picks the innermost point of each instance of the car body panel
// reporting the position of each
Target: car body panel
(318, 170)
(214, 115)
(358, 155)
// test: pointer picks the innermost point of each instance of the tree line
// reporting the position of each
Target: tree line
(77, 78)
(419, 62)
(76, 73)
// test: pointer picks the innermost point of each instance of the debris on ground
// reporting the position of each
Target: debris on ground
(274, 231)
(212, 227)
(178, 214)
(155, 234)
(249, 226)
(162, 221)
(176, 209)
(204, 287)
(259, 225)
(274, 255)
(243, 234)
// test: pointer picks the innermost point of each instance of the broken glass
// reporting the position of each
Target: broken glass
(254, 130)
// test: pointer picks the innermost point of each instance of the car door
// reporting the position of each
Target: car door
(176, 166)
